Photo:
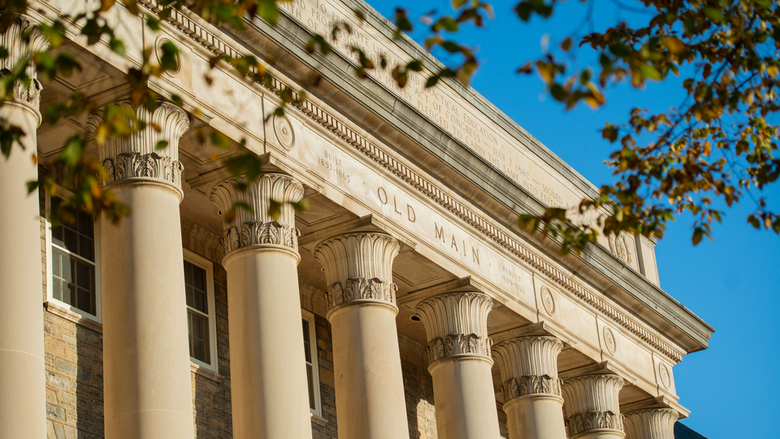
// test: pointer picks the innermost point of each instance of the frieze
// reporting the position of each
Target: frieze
(594, 420)
(458, 344)
(531, 385)
(206, 38)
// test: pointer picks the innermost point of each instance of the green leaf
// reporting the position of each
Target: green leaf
(713, 14)
(650, 72)
(162, 144)
(71, 153)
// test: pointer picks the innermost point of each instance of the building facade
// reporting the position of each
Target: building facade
(405, 302)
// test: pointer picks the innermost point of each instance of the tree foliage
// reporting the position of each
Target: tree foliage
(718, 146)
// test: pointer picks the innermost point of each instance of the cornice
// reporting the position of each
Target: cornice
(256, 226)
(207, 39)
(359, 269)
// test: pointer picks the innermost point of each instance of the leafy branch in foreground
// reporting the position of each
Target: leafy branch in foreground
(716, 147)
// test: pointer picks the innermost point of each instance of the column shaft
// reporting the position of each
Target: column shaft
(22, 389)
(460, 364)
(270, 396)
(532, 389)
(147, 387)
(366, 356)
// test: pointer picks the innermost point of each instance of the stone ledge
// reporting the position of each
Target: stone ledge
(318, 420)
(205, 372)
(62, 310)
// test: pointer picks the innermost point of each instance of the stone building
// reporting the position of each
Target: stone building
(405, 302)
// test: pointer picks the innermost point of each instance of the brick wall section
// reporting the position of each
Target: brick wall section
(211, 394)
(328, 428)
(421, 413)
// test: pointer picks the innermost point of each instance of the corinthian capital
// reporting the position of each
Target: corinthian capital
(257, 227)
(456, 324)
(359, 268)
(529, 366)
(591, 403)
(22, 39)
(137, 156)
(652, 423)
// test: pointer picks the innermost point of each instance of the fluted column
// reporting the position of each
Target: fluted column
(22, 391)
(366, 357)
(650, 423)
(592, 407)
(532, 389)
(459, 362)
(267, 366)
(146, 361)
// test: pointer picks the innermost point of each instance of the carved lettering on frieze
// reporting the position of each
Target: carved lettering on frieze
(458, 246)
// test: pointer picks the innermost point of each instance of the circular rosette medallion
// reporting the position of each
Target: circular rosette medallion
(284, 132)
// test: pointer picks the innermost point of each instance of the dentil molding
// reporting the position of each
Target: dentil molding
(206, 36)
(592, 403)
(137, 156)
(23, 38)
(256, 227)
(651, 423)
(359, 267)
(529, 366)
(456, 324)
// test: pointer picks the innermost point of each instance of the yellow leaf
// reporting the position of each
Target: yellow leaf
(545, 70)
(772, 70)
(673, 44)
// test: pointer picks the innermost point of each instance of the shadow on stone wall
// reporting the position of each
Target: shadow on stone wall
(420, 409)
(74, 379)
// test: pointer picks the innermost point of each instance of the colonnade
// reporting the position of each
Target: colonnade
(147, 376)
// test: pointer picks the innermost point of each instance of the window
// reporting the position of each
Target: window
(73, 270)
(312, 371)
(199, 290)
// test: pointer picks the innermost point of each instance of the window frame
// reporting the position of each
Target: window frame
(309, 317)
(208, 266)
(96, 228)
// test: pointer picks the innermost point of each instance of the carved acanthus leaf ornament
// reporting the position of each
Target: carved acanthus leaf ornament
(456, 324)
(529, 366)
(139, 155)
(592, 403)
(22, 39)
(257, 227)
(359, 267)
(651, 423)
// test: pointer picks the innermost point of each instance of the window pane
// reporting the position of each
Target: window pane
(56, 289)
(56, 263)
(306, 341)
(56, 236)
(86, 249)
(310, 377)
(71, 240)
(85, 301)
(83, 275)
(199, 338)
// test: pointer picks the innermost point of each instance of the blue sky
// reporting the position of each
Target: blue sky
(732, 283)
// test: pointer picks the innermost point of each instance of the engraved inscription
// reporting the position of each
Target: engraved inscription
(456, 245)
(514, 280)
(331, 162)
